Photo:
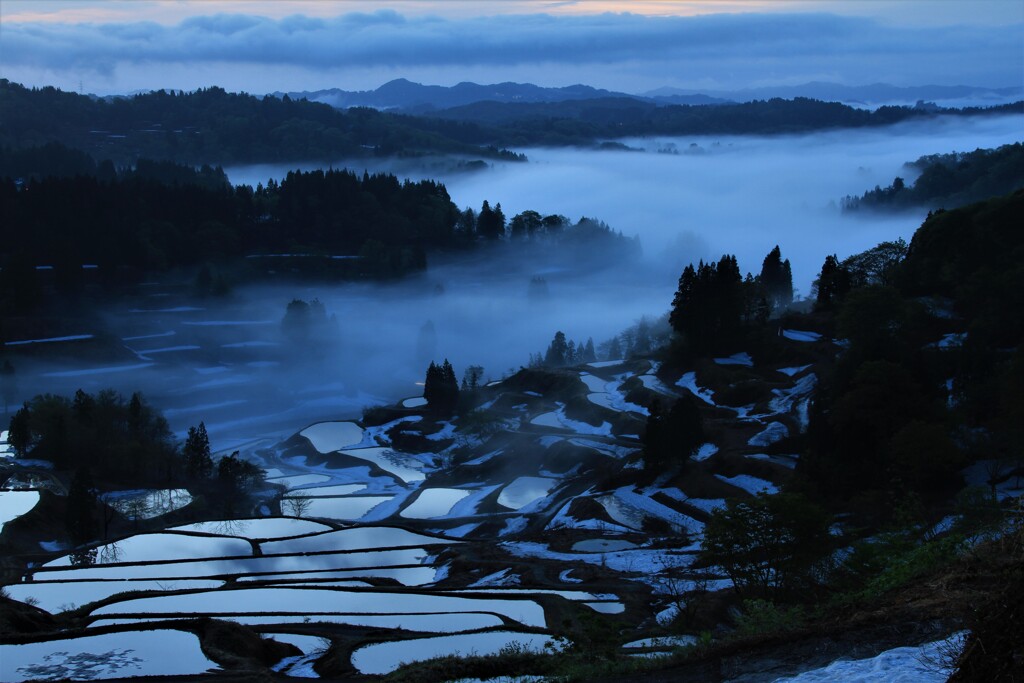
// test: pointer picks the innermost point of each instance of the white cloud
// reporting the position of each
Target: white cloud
(730, 50)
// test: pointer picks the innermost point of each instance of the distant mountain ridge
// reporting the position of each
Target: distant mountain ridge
(876, 93)
(416, 98)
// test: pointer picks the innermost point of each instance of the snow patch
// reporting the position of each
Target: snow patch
(750, 484)
(705, 452)
(689, 382)
(774, 432)
(801, 335)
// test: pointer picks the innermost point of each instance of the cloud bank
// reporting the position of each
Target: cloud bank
(727, 50)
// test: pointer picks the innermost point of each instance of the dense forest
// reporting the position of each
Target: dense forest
(586, 121)
(75, 218)
(948, 181)
(919, 377)
(897, 413)
(213, 126)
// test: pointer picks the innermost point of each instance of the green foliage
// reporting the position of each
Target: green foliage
(763, 617)
(894, 560)
(768, 543)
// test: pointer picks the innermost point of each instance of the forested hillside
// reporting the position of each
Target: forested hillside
(948, 181)
(213, 126)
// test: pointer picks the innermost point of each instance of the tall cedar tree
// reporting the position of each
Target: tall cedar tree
(708, 307)
(832, 283)
(556, 355)
(198, 462)
(777, 279)
(441, 388)
(490, 223)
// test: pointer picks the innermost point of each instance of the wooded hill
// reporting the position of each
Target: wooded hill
(211, 125)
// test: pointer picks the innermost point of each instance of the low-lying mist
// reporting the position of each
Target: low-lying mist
(233, 364)
(715, 194)
(738, 195)
(230, 363)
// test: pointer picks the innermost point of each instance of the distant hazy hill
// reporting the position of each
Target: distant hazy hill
(415, 97)
(875, 94)
(404, 94)
(412, 97)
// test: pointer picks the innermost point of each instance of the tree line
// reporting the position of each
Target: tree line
(105, 438)
(159, 215)
(586, 121)
(896, 418)
(948, 181)
(210, 125)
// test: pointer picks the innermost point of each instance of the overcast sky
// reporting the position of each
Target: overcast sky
(117, 46)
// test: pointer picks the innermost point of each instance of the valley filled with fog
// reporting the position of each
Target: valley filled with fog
(720, 194)
(229, 363)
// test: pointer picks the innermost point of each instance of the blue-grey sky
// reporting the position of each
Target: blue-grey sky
(116, 46)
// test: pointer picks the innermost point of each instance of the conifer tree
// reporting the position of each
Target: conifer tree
(555, 356)
(198, 461)
(777, 279)
(708, 308)
(490, 223)
(441, 388)
(832, 283)
(614, 349)
(20, 434)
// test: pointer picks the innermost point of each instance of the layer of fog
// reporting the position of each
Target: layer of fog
(739, 195)
(735, 194)
(231, 364)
